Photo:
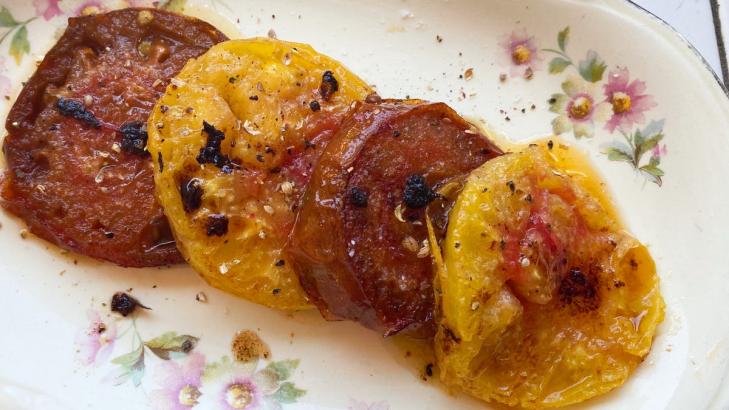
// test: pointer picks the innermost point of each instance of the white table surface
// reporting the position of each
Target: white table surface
(693, 19)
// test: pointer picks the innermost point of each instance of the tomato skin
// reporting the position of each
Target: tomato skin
(545, 300)
(64, 176)
(348, 240)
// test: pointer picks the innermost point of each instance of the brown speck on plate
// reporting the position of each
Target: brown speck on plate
(247, 345)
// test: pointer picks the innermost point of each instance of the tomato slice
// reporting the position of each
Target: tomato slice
(77, 170)
(545, 299)
(360, 244)
(235, 138)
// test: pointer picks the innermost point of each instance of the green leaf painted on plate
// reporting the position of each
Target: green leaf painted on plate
(617, 154)
(592, 67)
(19, 45)
(6, 18)
(649, 144)
(130, 358)
(637, 138)
(653, 172)
(288, 393)
(283, 368)
(170, 342)
(558, 64)
(131, 367)
(563, 37)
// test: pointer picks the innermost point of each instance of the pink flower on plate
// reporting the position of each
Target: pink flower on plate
(46, 8)
(179, 383)
(522, 52)
(628, 100)
(89, 7)
(659, 151)
(95, 343)
(231, 385)
(361, 405)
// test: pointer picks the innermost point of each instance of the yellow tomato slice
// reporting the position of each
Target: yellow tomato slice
(544, 299)
(234, 138)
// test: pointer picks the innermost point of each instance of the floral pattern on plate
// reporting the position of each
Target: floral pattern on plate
(620, 105)
(183, 378)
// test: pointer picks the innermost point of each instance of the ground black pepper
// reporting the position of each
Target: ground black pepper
(134, 138)
(329, 85)
(76, 109)
(191, 192)
(417, 194)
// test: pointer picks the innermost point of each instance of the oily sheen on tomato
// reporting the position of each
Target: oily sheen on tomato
(545, 300)
(235, 138)
(360, 244)
(77, 170)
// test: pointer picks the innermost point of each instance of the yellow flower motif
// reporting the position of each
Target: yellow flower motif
(578, 107)
(621, 102)
(521, 54)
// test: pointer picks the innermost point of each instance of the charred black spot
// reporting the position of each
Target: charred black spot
(160, 162)
(280, 262)
(550, 144)
(579, 289)
(253, 98)
(76, 109)
(358, 197)
(276, 291)
(210, 153)
(329, 85)
(217, 225)
(417, 193)
(191, 192)
(396, 133)
(124, 304)
(134, 138)
(315, 106)
(308, 144)
(511, 186)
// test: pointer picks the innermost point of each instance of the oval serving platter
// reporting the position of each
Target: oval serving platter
(667, 174)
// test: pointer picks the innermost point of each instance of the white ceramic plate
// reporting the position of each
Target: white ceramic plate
(416, 48)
